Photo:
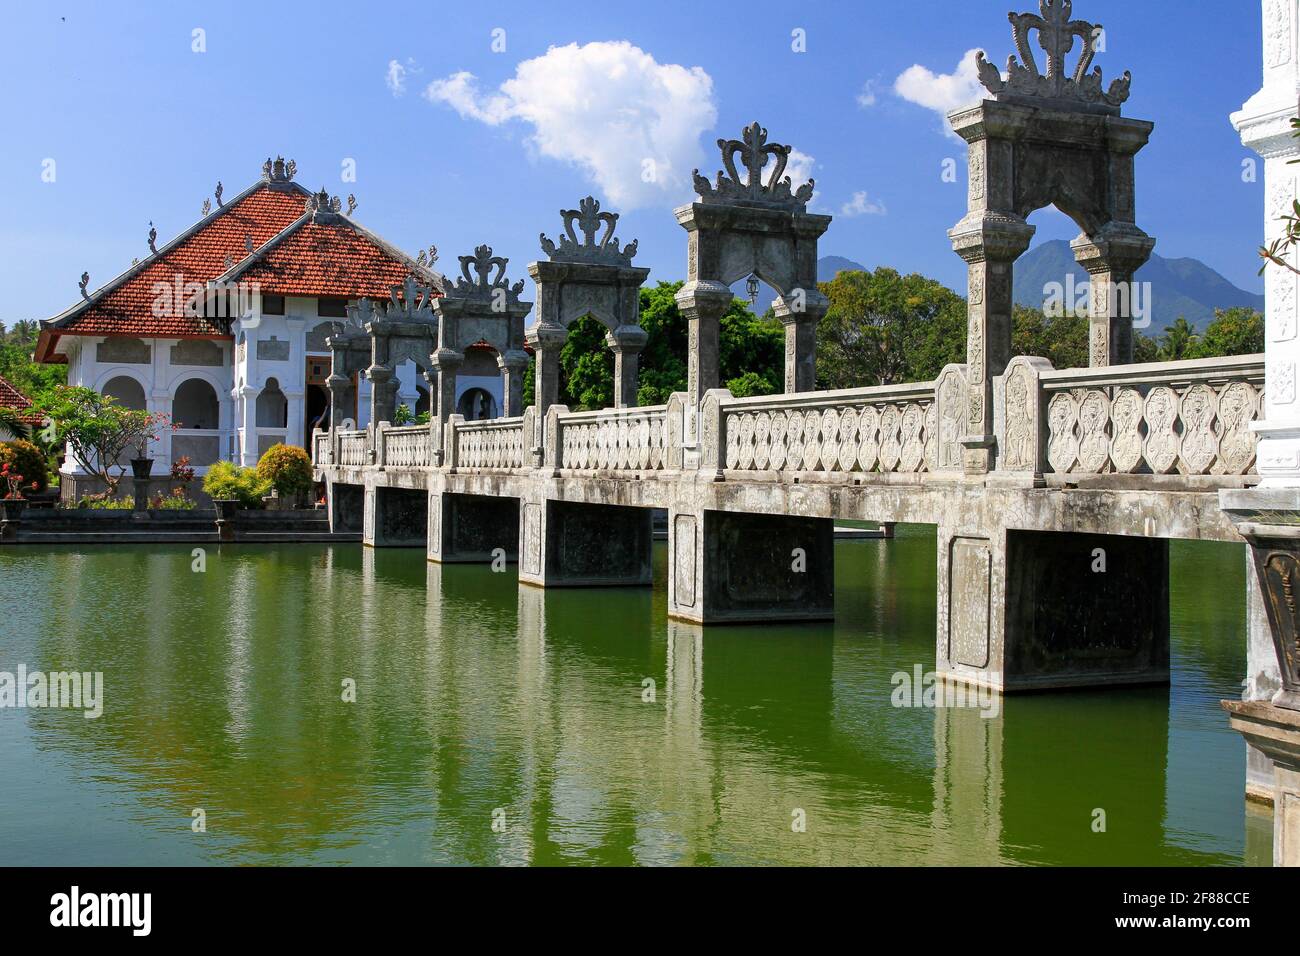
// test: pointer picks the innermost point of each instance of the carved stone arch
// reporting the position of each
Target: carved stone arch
(1051, 138)
(480, 306)
(587, 275)
(758, 225)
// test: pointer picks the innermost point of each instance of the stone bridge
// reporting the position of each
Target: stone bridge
(1054, 492)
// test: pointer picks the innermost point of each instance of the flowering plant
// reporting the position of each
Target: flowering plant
(181, 470)
(15, 482)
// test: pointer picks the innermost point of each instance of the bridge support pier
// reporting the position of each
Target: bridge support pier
(1030, 610)
(469, 529)
(347, 504)
(571, 544)
(395, 517)
(739, 567)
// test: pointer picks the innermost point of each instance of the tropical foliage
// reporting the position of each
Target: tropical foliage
(226, 481)
(98, 431)
(286, 468)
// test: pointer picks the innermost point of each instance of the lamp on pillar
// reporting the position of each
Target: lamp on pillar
(751, 288)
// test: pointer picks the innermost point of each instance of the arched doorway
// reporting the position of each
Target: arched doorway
(126, 391)
(196, 405)
(477, 404)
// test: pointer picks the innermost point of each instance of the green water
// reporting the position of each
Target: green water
(500, 724)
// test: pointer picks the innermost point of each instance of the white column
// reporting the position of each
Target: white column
(160, 400)
(246, 409)
(1264, 123)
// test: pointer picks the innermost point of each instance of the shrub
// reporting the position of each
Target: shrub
(26, 459)
(105, 502)
(225, 481)
(176, 501)
(287, 469)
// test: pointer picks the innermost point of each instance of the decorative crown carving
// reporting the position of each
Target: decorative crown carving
(279, 171)
(589, 219)
(320, 205)
(207, 207)
(409, 302)
(153, 238)
(85, 281)
(1056, 36)
(753, 150)
(483, 284)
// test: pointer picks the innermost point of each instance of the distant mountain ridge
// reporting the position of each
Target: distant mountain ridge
(1178, 286)
(1183, 286)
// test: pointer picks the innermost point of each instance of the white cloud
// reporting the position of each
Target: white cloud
(398, 73)
(941, 92)
(799, 167)
(859, 205)
(631, 123)
(867, 97)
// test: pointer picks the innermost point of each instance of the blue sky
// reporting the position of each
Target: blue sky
(141, 127)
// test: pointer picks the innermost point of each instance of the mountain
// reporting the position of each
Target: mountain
(829, 266)
(1178, 286)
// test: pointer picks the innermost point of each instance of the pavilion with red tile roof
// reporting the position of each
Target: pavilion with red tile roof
(224, 326)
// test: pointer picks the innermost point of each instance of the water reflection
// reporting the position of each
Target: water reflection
(495, 723)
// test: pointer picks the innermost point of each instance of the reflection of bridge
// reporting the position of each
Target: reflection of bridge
(1054, 492)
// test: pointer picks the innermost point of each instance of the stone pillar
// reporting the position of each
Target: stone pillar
(546, 340)
(1276, 732)
(571, 544)
(1110, 259)
(800, 319)
(513, 364)
(247, 404)
(739, 567)
(447, 362)
(702, 303)
(989, 244)
(1029, 610)
(383, 393)
(342, 400)
(1264, 125)
(626, 341)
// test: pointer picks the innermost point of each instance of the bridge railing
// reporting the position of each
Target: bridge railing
(609, 440)
(1187, 420)
(353, 448)
(888, 430)
(492, 444)
(320, 448)
(407, 446)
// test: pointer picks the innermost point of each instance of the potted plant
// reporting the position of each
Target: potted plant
(13, 504)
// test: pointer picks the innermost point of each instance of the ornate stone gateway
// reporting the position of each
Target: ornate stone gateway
(403, 329)
(1046, 139)
(591, 276)
(751, 227)
(482, 308)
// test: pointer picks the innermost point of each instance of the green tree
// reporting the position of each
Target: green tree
(1178, 340)
(98, 430)
(884, 328)
(1236, 331)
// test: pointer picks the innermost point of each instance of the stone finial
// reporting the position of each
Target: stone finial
(229, 262)
(279, 171)
(85, 281)
(248, 244)
(589, 218)
(153, 238)
(408, 302)
(483, 284)
(352, 204)
(206, 208)
(321, 206)
(219, 191)
(753, 150)
(1056, 36)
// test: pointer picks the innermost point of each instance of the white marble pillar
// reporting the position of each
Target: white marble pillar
(1264, 123)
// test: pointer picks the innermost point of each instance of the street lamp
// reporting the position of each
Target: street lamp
(751, 286)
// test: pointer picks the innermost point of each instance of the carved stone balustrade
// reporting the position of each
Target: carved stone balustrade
(1189, 420)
